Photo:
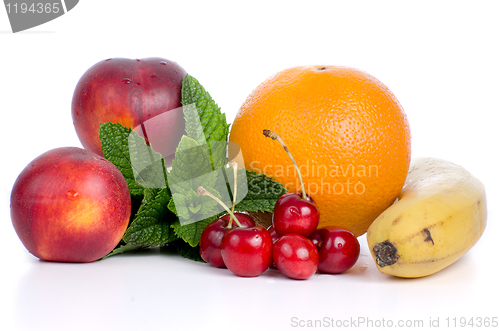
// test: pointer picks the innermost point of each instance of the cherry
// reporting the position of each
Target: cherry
(273, 233)
(247, 252)
(295, 256)
(211, 237)
(274, 237)
(338, 249)
(245, 220)
(293, 212)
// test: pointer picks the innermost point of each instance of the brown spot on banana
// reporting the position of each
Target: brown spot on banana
(397, 219)
(385, 253)
(428, 237)
(419, 233)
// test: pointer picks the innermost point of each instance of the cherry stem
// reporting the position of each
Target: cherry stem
(233, 164)
(201, 191)
(274, 136)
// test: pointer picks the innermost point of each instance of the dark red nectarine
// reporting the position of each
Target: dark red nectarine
(70, 205)
(131, 92)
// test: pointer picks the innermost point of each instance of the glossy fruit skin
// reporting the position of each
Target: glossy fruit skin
(295, 256)
(293, 214)
(274, 237)
(211, 237)
(346, 130)
(247, 252)
(130, 92)
(70, 205)
(338, 249)
(273, 233)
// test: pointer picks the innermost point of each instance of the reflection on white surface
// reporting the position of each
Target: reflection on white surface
(153, 289)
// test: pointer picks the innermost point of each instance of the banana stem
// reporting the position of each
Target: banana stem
(274, 136)
(201, 191)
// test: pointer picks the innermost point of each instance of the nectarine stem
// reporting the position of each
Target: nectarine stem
(202, 191)
(274, 136)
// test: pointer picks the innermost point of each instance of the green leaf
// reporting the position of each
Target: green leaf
(191, 169)
(123, 248)
(114, 140)
(263, 192)
(151, 225)
(171, 206)
(194, 129)
(139, 164)
(183, 249)
(207, 114)
(191, 233)
(193, 208)
(147, 165)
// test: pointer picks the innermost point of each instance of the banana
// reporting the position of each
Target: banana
(439, 215)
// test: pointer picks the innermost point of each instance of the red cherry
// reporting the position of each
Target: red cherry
(211, 237)
(245, 220)
(295, 256)
(294, 214)
(273, 233)
(338, 249)
(275, 237)
(247, 252)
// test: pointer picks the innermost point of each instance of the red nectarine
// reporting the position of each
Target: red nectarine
(70, 205)
(131, 92)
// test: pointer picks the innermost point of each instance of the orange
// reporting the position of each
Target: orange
(345, 129)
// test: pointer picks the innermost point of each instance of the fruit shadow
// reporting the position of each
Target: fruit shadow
(189, 253)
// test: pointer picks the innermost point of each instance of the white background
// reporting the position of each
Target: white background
(440, 58)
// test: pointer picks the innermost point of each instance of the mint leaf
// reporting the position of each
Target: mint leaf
(214, 127)
(123, 248)
(171, 206)
(191, 168)
(191, 233)
(193, 208)
(114, 140)
(151, 225)
(212, 120)
(147, 165)
(191, 161)
(194, 129)
(139, 164)
(263, 192)
(183, 249)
